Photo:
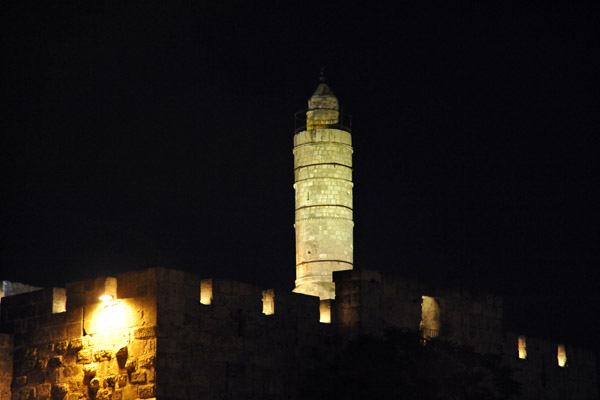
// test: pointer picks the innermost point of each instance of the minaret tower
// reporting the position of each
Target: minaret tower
(323, 185)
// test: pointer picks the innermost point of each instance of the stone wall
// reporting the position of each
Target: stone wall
(93, 349)
(369, 303)
(157, 339)
(542, 377)
(6, 365)
(229, 349)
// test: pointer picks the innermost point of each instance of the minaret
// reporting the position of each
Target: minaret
(323, 185)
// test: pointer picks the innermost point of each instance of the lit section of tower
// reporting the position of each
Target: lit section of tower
(323, 185)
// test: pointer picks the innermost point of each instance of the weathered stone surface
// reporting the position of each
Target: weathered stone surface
(59, 392)
(146, 391)
(44, 391)
(131, 365)
(147, 362)
(20, 380)
(76, 344)
(138, 377)
(84, 356)
(95, 384)
(102, 355)
(145, 333)
(55, 362)
(72, 370)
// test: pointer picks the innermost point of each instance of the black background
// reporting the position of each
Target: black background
(142, 134)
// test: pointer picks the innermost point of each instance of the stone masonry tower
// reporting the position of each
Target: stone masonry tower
(323, 185)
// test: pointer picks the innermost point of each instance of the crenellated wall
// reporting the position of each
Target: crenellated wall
(171, 335)
(369, 303)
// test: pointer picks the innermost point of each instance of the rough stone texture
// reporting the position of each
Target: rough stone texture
(159, 341)
(323, 186)
(6, 365)
(82, 351)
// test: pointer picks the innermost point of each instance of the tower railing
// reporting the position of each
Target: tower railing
(344, 121)
(427, 333)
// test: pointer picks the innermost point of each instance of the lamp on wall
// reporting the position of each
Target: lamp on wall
(110, 290)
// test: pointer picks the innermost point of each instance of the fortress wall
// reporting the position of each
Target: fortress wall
(90, 350)
(230, 348)
(372, 303)
(158, 340)
(359, 303)
(542, 377)
(6, 365)
(472, 320)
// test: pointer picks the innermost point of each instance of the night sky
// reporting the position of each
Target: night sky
(144, 134)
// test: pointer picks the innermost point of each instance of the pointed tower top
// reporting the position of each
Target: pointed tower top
(323, 106)
(323, 98)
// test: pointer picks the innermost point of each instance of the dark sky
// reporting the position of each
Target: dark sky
(143, 134)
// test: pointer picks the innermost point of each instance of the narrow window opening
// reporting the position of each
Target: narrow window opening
(206, 291)
(561, 356)
(59, 300)
(325, 311)
(268, 301)
(430, 318)
(522, 348)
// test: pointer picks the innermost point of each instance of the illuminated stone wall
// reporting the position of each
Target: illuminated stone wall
(91, 350)
(158, 340)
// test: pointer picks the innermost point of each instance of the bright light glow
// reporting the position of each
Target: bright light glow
(206, 292)
(106, 297)
(325, 311)
(522, 348)
(108, 323)
(561, 356)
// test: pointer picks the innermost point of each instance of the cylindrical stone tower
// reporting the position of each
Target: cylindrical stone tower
(323, 185)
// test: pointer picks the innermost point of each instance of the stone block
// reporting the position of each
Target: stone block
(76, 344)
(147, 362)
(44, 391)
(84, 356)
(61, 346)
(102, 355)
(122, 380)
(138, 377)
(145, 333)
(131, 365)
(146, 391)
(71, 371)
